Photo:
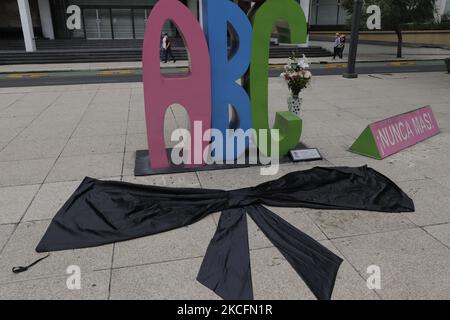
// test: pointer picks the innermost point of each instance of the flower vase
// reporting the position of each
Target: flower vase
(294, 104)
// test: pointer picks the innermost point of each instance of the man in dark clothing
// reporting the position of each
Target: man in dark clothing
(342, 47)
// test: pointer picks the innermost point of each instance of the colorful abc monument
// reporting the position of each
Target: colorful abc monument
(210, 87)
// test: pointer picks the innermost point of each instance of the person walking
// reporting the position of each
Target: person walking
(162, 51)
(342, 46)
(167, 46)
(337, 43)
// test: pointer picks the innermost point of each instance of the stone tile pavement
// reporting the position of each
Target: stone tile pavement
(51, 137)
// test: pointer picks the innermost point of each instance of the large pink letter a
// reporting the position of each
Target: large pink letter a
(192, 91)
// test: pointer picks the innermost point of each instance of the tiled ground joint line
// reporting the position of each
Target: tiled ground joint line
(40, 186)
(31, 122)
(121, 179)
(17, 224)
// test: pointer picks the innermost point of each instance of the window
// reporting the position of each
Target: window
(122, 23)
(140, 20)
(117, 23)
(97, 23)
(327, 12)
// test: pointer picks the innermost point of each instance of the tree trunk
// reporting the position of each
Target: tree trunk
(399, 43)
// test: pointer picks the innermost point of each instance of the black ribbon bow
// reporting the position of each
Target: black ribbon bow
(103, 212)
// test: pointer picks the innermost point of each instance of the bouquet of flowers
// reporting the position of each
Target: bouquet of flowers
(296, 74)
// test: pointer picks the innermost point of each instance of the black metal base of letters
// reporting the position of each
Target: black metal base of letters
(142, 164)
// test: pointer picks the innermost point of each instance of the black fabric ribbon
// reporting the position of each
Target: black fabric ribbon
(103, 212)
(23, 269)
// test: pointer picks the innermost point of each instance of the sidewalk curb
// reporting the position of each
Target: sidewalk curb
(112, 68)
(82, 70)
(378, 61)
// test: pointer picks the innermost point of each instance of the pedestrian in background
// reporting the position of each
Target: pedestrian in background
(167, 46)
(161, 48)
(337, 43)
(342, 46)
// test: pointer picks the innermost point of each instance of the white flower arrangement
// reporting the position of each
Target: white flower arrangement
(296, 74)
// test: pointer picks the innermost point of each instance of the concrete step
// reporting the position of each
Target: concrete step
(70, 51)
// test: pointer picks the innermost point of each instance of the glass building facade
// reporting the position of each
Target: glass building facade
(114, 19)
(126, 19)
(447, 11)
(327, 13)
(100, 19)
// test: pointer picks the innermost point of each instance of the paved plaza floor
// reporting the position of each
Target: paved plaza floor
(52, 137)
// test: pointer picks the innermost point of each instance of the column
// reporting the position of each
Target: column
(27, 25)
(306, 4)
(46, 19)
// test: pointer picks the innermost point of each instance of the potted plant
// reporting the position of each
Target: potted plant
(297, 77)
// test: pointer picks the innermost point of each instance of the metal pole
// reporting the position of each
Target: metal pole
(356, 19)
